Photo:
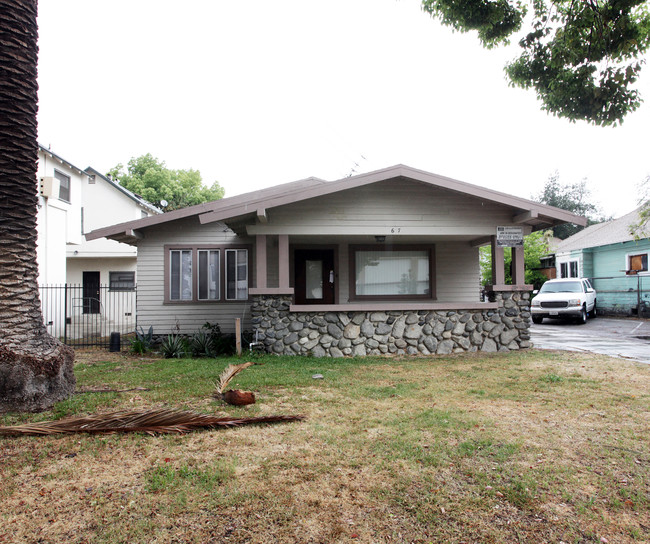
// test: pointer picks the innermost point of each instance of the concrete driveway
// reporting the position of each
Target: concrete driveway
(625, 338)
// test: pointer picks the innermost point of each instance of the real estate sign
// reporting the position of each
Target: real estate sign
(510, 236)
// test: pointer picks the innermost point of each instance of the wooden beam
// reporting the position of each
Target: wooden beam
(261, 215)
(498, 272)
(283, 260)
(518, 268)
(524, 217)
(260, 261)
(478, 242)
(134, 234)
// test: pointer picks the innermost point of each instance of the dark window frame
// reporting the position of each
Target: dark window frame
(430, 248)
(113, 285)
(195, 248)
(63, 177)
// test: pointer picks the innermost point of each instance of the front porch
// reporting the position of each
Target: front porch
(435, 322)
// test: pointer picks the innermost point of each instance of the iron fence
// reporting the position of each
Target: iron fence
(83, 317)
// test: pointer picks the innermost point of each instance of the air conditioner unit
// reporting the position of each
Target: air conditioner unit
(49, 187)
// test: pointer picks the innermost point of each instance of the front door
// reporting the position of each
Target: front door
(314, 276)
(91, 292)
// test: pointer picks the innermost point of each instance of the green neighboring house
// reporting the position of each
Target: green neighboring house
(617, 264)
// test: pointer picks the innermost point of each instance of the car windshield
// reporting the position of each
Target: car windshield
(561, 287)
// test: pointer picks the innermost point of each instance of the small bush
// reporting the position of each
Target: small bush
(201, 345)
(142, 342)
(173, 347)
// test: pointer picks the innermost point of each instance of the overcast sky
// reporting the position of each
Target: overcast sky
(258, 93)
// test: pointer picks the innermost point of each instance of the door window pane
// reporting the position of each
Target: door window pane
(314, 279)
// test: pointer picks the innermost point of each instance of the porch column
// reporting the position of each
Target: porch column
(260, 260)
(518, 269)
(498, 272)
(283, 260)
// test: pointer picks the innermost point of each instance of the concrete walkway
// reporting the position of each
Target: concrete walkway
(625, 338)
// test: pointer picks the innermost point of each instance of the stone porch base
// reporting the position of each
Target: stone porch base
(400, 332)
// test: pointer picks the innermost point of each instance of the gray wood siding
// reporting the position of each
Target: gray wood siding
(393, 203)
(150, 273)
(457, 272)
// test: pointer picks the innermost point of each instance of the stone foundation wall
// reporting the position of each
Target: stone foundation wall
(422, 332)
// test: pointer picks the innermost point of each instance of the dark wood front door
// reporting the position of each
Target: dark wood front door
(314, 276)
(91, 292)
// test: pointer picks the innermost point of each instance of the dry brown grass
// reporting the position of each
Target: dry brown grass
(525, 447)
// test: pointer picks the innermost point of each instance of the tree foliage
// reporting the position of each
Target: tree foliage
(574, 198)
(642, 228)
(152, 180)
(535, 247)
(582, 57)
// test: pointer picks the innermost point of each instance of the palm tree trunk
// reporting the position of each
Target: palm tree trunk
(35, 369)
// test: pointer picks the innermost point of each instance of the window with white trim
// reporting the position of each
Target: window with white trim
(569, 269)
(64, 186)
(236, 274)
(636, 263)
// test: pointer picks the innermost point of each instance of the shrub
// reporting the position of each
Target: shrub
(173, 346)
(201, 345)
(142, 342)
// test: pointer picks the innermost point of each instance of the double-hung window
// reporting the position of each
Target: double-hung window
(180, 275)
(206, 274)
(569, 269)
(236, 274)
(398, 273)
(64, 186)
(208, 279)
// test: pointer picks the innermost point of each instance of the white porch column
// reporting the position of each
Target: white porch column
(260, 260)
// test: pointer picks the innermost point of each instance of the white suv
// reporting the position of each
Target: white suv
(564, 298)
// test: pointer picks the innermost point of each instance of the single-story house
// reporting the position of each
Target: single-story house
(617, 263)
(383, 262)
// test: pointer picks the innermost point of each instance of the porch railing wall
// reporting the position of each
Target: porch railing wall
(80, 320)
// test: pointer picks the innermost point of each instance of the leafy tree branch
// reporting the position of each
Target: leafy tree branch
(581, 57)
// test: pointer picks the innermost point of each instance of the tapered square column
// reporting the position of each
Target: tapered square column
(260, 261)
(283, 260)
(518, 268)
(498, 272)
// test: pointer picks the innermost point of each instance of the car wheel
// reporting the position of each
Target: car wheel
(594, 312)
(583, 316)
(537, 320)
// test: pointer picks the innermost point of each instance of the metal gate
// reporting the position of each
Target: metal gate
(80, 320)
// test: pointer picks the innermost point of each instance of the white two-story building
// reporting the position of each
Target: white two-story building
(90, 276)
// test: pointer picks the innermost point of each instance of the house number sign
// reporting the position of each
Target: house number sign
(510, 236)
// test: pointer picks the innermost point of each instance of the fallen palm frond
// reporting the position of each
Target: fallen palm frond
(236, 397)
(228, 374)
(147, 421)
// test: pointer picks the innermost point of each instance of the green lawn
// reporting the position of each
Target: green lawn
(527, 446)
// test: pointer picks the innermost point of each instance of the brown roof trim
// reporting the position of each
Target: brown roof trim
(287, 193)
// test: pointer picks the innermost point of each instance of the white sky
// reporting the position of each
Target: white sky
(258, 93)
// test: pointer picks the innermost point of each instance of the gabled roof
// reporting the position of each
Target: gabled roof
(61, 159)
(137, 198)
(602, 234)
(236, 208)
